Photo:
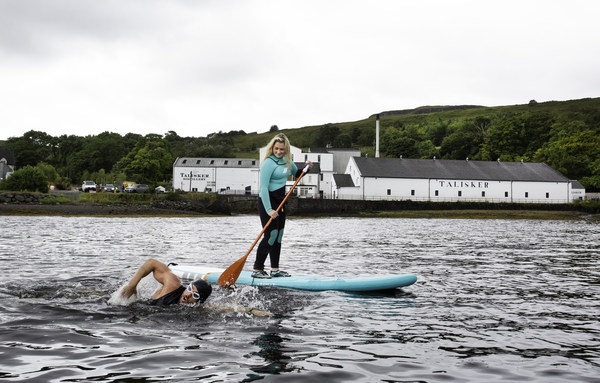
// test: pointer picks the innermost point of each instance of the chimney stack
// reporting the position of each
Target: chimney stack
(377, 137)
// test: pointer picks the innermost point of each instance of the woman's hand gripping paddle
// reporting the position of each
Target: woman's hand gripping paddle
(231, 274)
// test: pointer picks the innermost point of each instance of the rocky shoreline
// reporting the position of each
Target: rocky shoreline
(123, 210)
(25, 204)
(85, 209)
(39, 204)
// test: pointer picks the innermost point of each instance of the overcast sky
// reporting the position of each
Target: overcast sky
(196, 67)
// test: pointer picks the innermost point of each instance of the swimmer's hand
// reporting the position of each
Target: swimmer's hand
(260, 313)
(128, 291)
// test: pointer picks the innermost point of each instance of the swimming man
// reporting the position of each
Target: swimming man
(172, 291)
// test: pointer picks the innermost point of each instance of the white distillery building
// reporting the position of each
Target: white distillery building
(454, 180)
(216, 175)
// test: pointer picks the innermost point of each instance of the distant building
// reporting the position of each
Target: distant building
(7, 162)
(216, 175)
(386, 178)
(577, 190)
(453, 180)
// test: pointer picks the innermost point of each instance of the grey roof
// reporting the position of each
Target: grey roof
(350, 150)
(8, 154)
(343, 180)
(576, 185)
(457, 169)
(216, 162)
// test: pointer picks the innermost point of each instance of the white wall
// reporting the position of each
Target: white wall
(577, 194)
(471, 190)
(237, 179)
(353, 171)
(353, 192)
(395, 188)
(214, 178)
(325, 160)
(557, 192)
(448, 190)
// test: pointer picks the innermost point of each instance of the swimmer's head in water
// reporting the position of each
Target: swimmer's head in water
(196, 291)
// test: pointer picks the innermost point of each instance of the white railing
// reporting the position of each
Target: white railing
(448, 199)
(416, 199)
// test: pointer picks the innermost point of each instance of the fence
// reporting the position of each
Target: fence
(448, 199)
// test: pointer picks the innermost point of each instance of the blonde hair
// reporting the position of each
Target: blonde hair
(281, 138)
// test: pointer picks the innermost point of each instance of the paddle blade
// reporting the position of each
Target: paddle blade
(231, 274)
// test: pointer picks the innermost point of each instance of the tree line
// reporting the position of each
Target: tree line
(68, 160)
(565, 135)
(569, 144)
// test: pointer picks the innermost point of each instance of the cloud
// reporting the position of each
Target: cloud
(196, 67)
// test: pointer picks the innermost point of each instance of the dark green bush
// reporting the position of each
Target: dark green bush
(28, 178)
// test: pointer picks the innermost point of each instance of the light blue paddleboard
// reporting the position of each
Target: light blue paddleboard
(302, 282)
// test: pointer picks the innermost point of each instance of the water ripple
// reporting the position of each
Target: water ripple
(496, 300)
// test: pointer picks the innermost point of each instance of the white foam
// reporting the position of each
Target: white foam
(117, 298)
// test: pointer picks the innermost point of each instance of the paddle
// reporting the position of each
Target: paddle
(231, 274)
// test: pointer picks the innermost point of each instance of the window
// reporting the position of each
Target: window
(526, 194)
(197, 162)
(389, 192)
(437, 193)
(321, 176)
(412, 192)
(253, 162)
(547, 195)
(306, 157)
(483, 194)
(212, 162)
(506, 194)
(184, 161)
(319, 158)
(226, 162)
(460, 193)
(239, 162)
(195, 190)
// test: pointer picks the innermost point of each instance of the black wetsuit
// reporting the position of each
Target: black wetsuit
(271, 243)
(169, 298)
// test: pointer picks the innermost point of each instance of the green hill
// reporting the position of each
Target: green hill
(563, 134)
(428, 118)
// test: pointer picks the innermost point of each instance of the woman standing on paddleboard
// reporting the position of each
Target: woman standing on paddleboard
(276, 168)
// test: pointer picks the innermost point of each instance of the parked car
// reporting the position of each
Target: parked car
(109, 188)
(88, 186)
(137, 188)
(160, 190)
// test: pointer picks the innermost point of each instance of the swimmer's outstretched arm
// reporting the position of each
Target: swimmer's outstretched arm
(161, 274)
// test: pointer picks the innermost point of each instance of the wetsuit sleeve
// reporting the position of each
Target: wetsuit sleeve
(266, 170)
(296, 171)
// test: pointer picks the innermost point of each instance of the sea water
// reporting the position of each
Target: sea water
(496, 300)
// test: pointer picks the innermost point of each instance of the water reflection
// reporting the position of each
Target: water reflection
(495, 301)
(271, 350)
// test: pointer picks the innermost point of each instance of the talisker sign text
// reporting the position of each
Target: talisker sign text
(195, 177)
(464, 184)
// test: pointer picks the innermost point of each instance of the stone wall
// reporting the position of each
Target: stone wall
(23, 197)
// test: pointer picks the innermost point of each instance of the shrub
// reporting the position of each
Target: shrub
(28, 178)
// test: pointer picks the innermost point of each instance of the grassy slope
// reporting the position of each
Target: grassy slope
(244, 144)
